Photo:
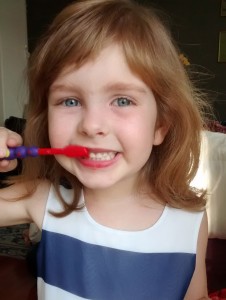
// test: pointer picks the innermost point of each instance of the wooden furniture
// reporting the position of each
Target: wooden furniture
(16, 282)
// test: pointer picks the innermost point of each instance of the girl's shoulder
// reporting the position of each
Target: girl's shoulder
(23, 202)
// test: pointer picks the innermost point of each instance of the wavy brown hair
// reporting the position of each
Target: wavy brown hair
(77, 35)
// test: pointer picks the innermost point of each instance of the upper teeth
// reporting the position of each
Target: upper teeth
(102, 155)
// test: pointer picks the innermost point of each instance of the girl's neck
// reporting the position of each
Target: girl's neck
(125, 209)
(113, 196)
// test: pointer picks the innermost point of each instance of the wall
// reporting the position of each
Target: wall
(195, 25)
(13, 58)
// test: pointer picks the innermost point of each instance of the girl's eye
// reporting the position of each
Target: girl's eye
(71, 102)
(123, 101)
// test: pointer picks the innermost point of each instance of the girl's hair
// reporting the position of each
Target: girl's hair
(77, 35)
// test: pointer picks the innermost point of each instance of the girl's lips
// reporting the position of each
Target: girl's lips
(99, 159)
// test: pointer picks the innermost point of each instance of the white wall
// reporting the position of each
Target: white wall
(13, 58)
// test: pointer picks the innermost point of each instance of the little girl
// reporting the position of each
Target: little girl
(124, 222)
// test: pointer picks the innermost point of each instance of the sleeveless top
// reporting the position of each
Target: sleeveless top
(81, 259)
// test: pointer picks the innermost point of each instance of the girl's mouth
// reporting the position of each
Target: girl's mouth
(102, 156)
(98, 159)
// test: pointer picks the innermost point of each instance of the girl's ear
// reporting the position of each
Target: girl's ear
(160, 133)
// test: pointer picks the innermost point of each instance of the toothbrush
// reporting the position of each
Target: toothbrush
(23, 152)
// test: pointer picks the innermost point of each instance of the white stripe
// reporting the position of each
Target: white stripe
(175, 231)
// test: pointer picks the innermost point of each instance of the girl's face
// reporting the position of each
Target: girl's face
(108, 109)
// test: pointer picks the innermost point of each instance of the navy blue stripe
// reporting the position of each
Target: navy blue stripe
(100, 273)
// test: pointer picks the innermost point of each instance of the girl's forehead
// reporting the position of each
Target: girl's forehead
(109, 53)
(109, 64)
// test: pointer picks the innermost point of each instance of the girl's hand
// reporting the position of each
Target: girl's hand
(8, 139)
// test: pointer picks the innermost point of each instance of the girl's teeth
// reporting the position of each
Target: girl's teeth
(102, 155)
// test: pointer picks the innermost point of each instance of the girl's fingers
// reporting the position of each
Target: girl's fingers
(8, 139)
(6, 166)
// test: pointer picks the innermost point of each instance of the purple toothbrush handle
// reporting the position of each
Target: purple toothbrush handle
(21, 152)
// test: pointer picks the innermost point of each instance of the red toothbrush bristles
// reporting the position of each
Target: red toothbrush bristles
(70, 151)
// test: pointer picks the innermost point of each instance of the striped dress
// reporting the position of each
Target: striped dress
(81, 259)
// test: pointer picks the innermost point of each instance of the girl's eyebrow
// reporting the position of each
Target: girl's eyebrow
(60, 86)
(123, 87)
(116, 86)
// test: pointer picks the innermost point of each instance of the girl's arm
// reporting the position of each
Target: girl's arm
(198, 287)
(27, 209)
(14, 207)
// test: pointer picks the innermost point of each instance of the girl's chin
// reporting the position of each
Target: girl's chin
(95, 184)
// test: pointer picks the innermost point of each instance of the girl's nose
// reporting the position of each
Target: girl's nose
(93, 123)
